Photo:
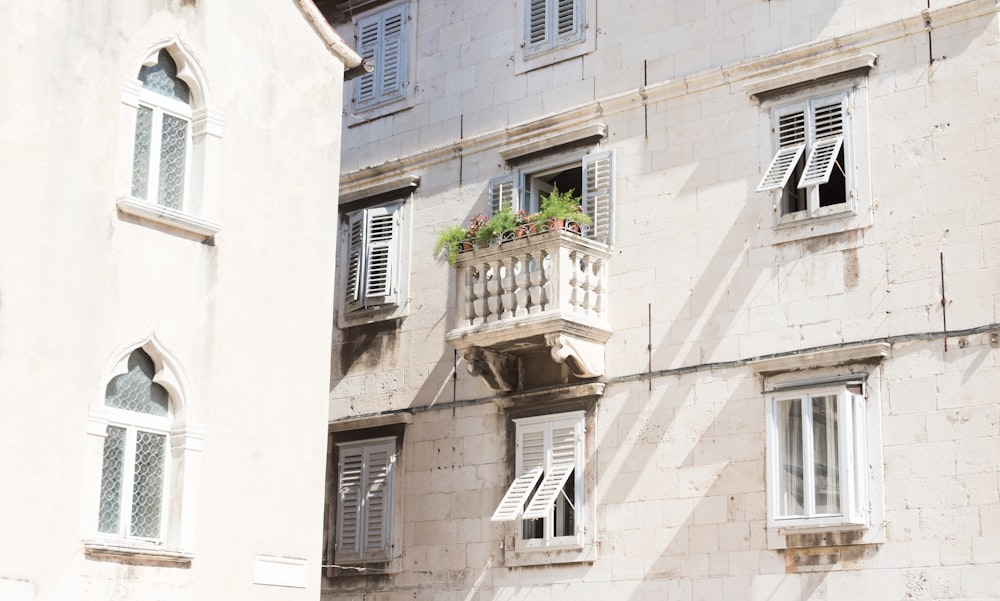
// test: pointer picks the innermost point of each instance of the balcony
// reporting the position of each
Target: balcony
(546, 292)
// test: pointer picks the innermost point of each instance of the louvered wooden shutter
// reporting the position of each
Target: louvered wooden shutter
(598, 194)
(565, 442)
(381, 256)
(349, 504)
(791, 144)
(536, 31)
(365, 499)
(568, 19)
(356, 233)
(505, 192)
(529, 465)
(365, 86)
(382, 39)
(828, 130)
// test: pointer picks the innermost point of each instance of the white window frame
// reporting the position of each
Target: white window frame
(852, 459)
(535, 490)
(553, 46)
(384, 38)
(366, 515)
(522, 189)
(359, 303)
(182, 467)
(204, 148)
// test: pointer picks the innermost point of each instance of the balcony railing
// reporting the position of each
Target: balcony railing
(546, 290)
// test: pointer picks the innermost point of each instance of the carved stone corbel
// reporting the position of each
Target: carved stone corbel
(583, 357)
(498, 370)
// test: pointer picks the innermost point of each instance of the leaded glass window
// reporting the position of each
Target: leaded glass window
(162, 135)
(134, 470)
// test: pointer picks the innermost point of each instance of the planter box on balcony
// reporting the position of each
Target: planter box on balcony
(543, 291)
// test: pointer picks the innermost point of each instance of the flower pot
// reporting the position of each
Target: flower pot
(526, 229)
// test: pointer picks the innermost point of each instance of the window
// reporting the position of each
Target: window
(547, 494)
(373, 258)
(365, 500)
(134, 472)
(383, 39)
(170, 143)
(550, 24)
(592, 177)
(813, 166)
(816, 457)
(162, 135)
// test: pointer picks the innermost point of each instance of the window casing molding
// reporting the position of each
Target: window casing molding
(547, 507)
(385, 37)
(374, 270)
(175, 543)
(816, 167)
(846, 382)
(202, 157)
(554, 31)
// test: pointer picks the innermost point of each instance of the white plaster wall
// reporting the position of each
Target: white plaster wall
(248, 317)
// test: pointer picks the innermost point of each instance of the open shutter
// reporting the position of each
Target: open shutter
(378, 500)
(598, 194)
(855, 504)
(356, 233)
(381, 255)
(505, 192)
(349, 505)
(828, 125)
(565, 444)
(791, 144)
(365, 86)
(530, 467)
(392, 68)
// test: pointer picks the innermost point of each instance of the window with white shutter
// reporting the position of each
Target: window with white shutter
(591, 177)
(546, 495)
(812, 168)
(365, 500)
(372, 259)
(550, 24)
(383, 39)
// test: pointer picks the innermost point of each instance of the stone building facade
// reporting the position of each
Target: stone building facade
(767, 370)
(166, 278)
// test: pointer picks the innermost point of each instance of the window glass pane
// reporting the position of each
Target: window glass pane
(147, 487)
(826, 454)
(791, 488)
(162, 78)
(111, 480)
(173, 152)
(564, 522)
(135, 390)
(140, 160)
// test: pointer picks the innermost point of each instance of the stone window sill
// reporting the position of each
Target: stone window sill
(136, 553)
(169, 217)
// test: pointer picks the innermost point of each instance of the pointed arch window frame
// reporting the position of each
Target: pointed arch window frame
(203, 145)
(184, 445)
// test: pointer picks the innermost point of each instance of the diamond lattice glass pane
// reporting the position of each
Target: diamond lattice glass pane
(162, 78)
(147, 485)
(140, 160)
(135, 390)
(111, 480)
(173, 153)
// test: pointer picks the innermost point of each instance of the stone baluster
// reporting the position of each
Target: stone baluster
(493, 304)
(522, 283)
(507, 287)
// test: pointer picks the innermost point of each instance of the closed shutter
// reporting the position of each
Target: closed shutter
(536, 32)
(356, 231)
(530, 465)
(365, 500)
(382, 39)
(565, 447)
(791, 144)
(828, 126)
(349, 504)
(505, 192)
(598, 194)
(381, 256)
(568, 18)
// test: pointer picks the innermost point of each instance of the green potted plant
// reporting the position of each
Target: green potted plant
(562, 209)
(499, 227)
(451, 240)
